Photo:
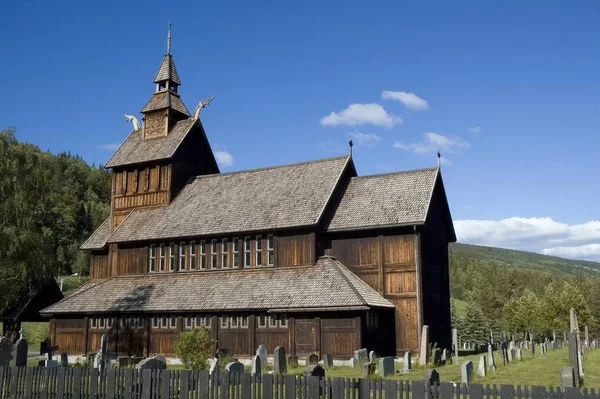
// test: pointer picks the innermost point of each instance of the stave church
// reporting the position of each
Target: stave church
(309, 256)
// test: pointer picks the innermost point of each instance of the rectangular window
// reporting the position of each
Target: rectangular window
(283, 322)
(270, 257)
(244, 321)
(161, 257)
(202, 254)
(189, 323)
(262, 321)
(163, 322)
(235, 253)
(124, 323)
(234, 322)
(224, 323)
(101, 323)
(173, 322)
(93, 323)
(272, 321)
(224, 262)
(109, 323)
(213, 254)
(246, 251)
(258, 251)
(171, 257)
(152, 266)
(181, 256)
(193, 254)
(155, 322)
(207, 320)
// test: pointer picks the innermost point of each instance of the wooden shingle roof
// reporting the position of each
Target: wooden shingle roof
(326, 284)
(394, 199)
(163, 100)
(289, 196)
(98, 239)
(167, 71)
(136, 150)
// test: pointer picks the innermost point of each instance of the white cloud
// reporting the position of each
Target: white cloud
(109, 147)
(475, 129)
(433, 142)
(542, 235)
(224, 158)
(410, 100)
(361, 114)
(367, 139)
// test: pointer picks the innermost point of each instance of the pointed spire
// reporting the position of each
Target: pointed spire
(169, 39)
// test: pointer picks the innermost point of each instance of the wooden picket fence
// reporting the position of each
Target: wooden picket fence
(80, 383)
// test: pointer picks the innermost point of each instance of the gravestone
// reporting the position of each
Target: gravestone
(587, 336)
(21, 349)
(353, 362)
(512, 355)
(519, 354)
(256, 366)
(567, 377)
(361, 355)
(491, 361)
(373, 357)
(5, 351)
(214, 366)
(262, 352)
(466, 372)
(279, 361)
(292, 361)
(511, 345)
(235, 367)
(573, 320)
(386, 366)
(152, 363)
(431, 377)
(482, 369)
(50, 363)
(424, 349)
(436, 357)
(327, 361)
(455, 344)
(367, 370)
(407, 363)
(222, 353)
(64, 360)
(313, 358)
(315, 371)
(444, 356)
(104, 343)
(99, 361)
(574, 357)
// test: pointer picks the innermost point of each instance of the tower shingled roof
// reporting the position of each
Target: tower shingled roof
(167, 71)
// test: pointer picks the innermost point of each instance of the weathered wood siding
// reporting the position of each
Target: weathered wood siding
(99, 268)
(70, 335)
(340, 335)
(295, 250)
(387, 264)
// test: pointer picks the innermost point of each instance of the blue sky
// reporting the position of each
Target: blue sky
(508, 91)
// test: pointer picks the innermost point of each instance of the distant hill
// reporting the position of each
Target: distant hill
(526, 260)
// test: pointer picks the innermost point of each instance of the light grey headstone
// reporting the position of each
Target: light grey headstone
(567, 377)
(235, 367)
(99, 360)
(372, 357)
(574, 356)
(256, 366)
(512, 355)
(214, 366)
(407, 362)
(482, 369)
(50, 363)
(423, 350)
(152, 363)
(327, 361)
(466, 372)
(5, 351)
(386, 366)
(279, 361)
(444, 356)
(491, 361)
(262, 352)
(361, 355)
(519, 354)
(353, 362)
(64, 360)
(573, 320)
(21, 349)
(367, 370)
(587, 336)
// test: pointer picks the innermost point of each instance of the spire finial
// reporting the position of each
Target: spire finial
(169, 39)
(350, 144)
(439, 155)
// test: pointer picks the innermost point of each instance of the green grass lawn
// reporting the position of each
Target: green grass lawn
(34, 332)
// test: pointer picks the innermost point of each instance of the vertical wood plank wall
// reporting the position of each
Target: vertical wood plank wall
(387, 264)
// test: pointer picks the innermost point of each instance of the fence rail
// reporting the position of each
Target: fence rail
(87, 383)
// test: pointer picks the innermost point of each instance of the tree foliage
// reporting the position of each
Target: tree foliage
(194, 348)
(49, 204)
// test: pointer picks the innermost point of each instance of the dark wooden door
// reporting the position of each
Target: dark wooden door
(306, 336)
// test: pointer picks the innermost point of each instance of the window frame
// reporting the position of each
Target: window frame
(181, 265)
(270, 250)
(152, 259)
(262, 321)
(93, 323)
(224, 322)
(234, 322)
(272, 322)
(203, 255)
(235, 253)
(243, 321)
(155, 322)
(192, 265)
(171, 262)
(213, 253)
(161, 258)
(224, 253)
(258, 251)
(247, 251)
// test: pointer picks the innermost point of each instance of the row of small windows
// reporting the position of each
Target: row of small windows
(163, 258)
(189, 323)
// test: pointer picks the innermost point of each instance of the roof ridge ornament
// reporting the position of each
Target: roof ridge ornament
(439, 157)
(169, 39)
(133, 120)
(202, 104)
(350, 144)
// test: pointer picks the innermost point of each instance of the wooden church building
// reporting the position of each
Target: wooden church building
(309, 256)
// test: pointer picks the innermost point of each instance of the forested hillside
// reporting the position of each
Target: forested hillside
(49, 204)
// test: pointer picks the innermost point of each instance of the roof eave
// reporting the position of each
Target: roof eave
(374, 227)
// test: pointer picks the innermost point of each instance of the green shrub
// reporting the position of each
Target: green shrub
(194, 348)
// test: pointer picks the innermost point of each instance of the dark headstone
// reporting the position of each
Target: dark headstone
(574, 356)
(292, 361)
(367, 370)
(104, 343)
(21, 349)
(5, 351)
(315, 370)
(436, 357)
(256, 366)
(279, 361)
(235, 367)
(64, 360)
(466, 372)
(327, 361)
(386, 366)
(152, 363)
(431, 377)
(313, 358)
(407, 363)
(567, 377)
(222, 353)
